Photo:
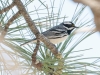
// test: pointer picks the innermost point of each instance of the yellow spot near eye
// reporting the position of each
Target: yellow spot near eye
(73, 25)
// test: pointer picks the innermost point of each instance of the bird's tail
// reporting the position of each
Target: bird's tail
(31, 41)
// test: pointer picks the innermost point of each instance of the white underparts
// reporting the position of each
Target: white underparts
(56, 40)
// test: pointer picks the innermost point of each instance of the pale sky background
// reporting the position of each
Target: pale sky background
(68, 9)
(91, 42)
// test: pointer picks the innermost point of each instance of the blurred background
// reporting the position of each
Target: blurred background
(81, 51)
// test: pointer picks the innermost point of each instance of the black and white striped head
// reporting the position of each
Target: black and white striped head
(69, 25)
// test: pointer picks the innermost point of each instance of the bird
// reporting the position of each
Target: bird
(57, 34)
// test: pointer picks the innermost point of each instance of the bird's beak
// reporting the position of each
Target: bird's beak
(76, 27)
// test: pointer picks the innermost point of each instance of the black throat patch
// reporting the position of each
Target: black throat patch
(69, 32)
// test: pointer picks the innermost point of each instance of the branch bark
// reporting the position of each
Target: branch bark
(36, 63)
(33, 28)
(7, 8)
(9, 23)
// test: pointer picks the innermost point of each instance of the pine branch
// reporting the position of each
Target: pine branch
(95, 7)
(4, 32)
(7, 8)
(36, 63)
(33, 28)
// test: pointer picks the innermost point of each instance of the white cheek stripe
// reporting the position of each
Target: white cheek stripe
(69, 28)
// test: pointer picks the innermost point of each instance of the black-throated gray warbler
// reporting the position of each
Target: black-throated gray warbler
(58, 33)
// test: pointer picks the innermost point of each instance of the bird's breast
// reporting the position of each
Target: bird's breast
(58, 40)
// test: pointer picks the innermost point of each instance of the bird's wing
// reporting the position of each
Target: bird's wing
(55, 33)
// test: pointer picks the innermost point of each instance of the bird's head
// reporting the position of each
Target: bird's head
(69, 25)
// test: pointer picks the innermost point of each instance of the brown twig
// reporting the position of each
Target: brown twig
(33, 28)
(36, 63)
(7, 8)
(9, 23)
(51, 46)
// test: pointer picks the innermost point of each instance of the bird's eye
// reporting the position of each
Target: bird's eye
(73, 25)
